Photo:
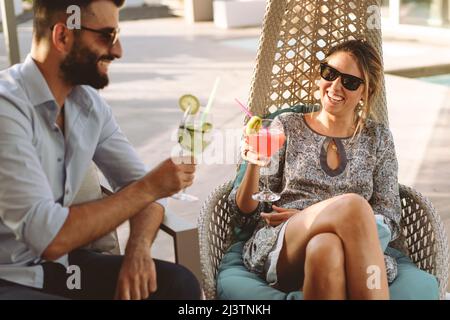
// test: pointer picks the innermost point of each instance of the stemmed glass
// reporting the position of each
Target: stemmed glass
(265, 142)
(194, 136)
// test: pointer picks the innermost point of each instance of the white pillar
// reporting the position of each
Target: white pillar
(17, 8)
(10, 31)
(437, 13)
(394, 11)
(239, 13)
(198, 10)
(447, 12)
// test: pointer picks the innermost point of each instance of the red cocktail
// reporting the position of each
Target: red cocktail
(265, 141)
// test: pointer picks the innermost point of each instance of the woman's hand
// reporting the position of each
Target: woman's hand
(250, 154)
(278, 216)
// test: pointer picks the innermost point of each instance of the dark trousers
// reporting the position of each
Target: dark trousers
(99, 275)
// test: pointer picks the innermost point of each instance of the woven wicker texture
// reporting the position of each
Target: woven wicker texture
(296, 34)
(425, 234)
(214, 235)
(294, 37)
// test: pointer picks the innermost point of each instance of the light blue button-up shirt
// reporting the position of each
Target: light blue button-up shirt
(41, 170)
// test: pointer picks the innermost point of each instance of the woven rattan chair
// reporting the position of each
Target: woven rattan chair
(294, 37)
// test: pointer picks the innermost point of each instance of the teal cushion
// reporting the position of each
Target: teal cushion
(235, 282)
(411, 282)
(384, 233)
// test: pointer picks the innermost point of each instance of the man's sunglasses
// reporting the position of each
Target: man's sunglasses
(109, 35)
(348, 81)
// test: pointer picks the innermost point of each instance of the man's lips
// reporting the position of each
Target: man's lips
(104, 63)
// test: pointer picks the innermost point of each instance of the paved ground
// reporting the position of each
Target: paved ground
(165, 58)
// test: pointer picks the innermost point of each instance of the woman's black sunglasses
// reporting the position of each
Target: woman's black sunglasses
(349, 82)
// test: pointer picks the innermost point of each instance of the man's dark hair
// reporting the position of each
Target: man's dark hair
(48, 12)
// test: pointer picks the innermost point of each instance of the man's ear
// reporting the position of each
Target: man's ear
(61, 38)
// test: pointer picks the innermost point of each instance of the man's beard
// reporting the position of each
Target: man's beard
(80, 67)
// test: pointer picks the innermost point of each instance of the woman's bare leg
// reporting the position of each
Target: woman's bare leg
(351, 218)
(325, 268)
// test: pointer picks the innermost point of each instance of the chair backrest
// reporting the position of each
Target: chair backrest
(91, 190)
(295, 36)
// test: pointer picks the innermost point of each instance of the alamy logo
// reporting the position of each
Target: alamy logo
(374, 279)
(74, 280)
(74, 19)
(374, 20)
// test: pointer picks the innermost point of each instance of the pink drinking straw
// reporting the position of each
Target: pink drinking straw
(244, 108)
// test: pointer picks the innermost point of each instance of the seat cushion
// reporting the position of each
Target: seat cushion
(235, 282)
(91, 190)
(411, 282)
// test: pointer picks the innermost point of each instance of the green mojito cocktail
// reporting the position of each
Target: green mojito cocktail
(194, 133)
(195, 137)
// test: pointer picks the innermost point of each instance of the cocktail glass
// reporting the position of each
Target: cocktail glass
(194, 136)
(265, 142)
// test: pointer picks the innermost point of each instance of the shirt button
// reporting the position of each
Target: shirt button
(59, 159)
(67, 192)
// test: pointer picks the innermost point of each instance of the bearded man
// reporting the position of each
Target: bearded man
(53, 124)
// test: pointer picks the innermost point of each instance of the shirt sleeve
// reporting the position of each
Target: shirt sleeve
(27, 204)
(117, 158)
(385, 198)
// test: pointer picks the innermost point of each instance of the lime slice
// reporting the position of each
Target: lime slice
(188, 101)
(206, 127)
(253, 125)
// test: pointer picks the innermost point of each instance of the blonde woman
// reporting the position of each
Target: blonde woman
(337, 178)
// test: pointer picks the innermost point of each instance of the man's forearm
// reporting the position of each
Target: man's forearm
(90, 221)
(144, 227)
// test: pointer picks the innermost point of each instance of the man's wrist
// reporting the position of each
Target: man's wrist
(143, 228)
(138, 246)
(146, 190)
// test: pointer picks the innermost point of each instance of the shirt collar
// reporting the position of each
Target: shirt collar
(39, 93)
(34, 83)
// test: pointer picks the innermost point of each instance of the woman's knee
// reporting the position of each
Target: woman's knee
(355, 213)
(325, 251)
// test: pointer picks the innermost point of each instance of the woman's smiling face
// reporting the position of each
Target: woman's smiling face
(337, 100)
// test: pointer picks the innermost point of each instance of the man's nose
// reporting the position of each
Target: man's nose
(116, 50)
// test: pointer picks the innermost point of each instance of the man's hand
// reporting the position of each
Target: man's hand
(278, 216)
(170, 176)
(137, 277)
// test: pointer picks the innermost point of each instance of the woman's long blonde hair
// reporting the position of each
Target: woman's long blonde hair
(372, 68)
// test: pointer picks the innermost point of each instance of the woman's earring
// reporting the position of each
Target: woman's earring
(359, 108)
(362, 110)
